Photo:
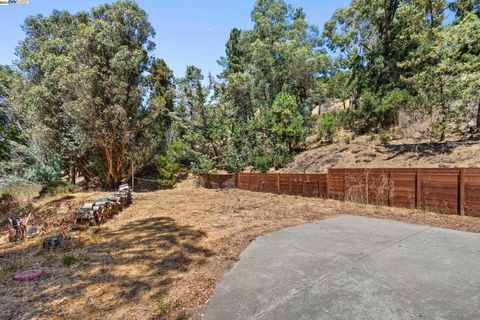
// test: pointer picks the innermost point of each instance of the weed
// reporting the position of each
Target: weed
(69, 259)
(384, 137)
(164, 306)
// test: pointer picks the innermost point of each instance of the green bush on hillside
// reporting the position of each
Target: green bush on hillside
(329, 126)
(166, 171)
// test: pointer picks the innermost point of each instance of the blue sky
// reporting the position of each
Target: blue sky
(188, 31)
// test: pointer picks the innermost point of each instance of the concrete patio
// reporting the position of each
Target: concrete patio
(351, 267)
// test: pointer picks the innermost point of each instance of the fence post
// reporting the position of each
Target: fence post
(328, 184)
(418, 188)
(236, 180)
(278, 183)
(258, 181)
(461, 192)
(303, 185)
(366, 185)
(290, 185)
(344, 186)
(319, 183)
(390, 182)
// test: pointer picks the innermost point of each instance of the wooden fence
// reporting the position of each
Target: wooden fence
(451, 191)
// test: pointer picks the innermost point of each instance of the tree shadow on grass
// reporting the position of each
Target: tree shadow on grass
(127, 267)
(420, 150)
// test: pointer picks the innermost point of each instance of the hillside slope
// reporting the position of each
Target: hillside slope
(365, 153)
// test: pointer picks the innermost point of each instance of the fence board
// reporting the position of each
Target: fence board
(453, 191)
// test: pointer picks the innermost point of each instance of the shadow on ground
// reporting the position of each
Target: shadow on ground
(128, 265)
(420, 150)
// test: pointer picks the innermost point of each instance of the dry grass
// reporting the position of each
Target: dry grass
(162, 257)
(362, 152)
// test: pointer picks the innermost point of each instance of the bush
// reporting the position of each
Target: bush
(263, 163)
(58, 187)
(329, 126)
(203, 165)
(386, 112)
(280, 160)
(166, 171)
(378, 111)
(384, 137)
(234, 160)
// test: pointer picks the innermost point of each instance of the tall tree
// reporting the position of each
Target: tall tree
(160, 82)
(83, 89)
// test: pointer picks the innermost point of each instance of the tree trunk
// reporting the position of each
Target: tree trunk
(72, 174)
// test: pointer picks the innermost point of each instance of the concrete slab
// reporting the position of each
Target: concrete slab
(352, 267)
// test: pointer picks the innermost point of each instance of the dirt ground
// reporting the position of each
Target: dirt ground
(161, 257)
(368, 152)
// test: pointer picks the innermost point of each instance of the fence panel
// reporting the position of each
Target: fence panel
(380, 187)
(315, 185)
(403, 182)
(271, 183)
(472, 192)
(336, 184)
(452, 191)
(439, 191)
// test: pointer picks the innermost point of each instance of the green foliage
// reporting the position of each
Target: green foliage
(82, 92)
(56, 187)
(329, 126)
(166, 171)
(263, 163)
(287, 121)
(86, 91)
(386, 112)
(203, 165)
(281, 159)
(384, 137)
(234, 159)
(69, 260)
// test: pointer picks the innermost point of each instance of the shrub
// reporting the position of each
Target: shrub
(384, 137)
(262, 163)
(280, 160)
(166, 171)
(386, 113)
(203, 164)
(329, 125)
(234, 160)
(58, 187)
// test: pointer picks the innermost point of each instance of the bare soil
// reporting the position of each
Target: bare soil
(161, 257)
